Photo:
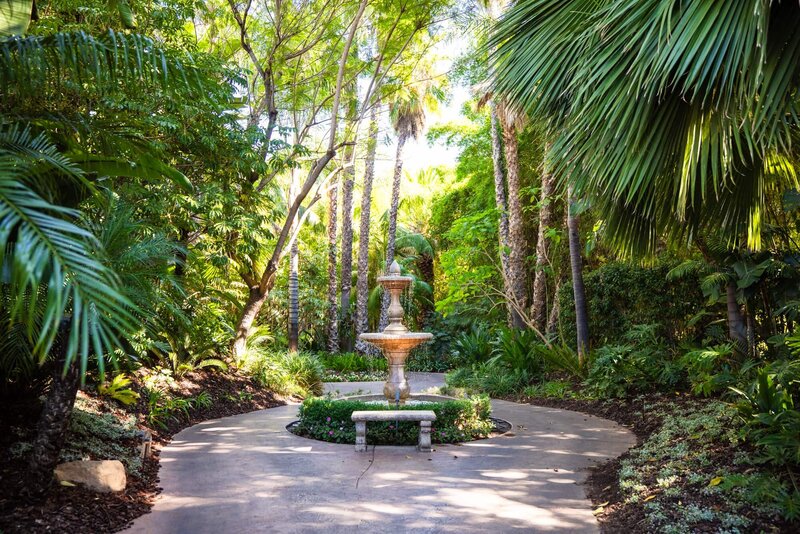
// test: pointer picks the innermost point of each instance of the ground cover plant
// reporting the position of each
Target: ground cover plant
(456, 421)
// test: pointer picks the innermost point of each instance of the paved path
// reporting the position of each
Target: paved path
(246, 473)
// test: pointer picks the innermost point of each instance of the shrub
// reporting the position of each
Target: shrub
(118, 390)
(712, 370)
(424, 361)
(641, 365)
(288, 373)
(620, 295)
(491, 379)
(473, 347)
(518, 350)
(769, 409)
(348, 362)
(456, 420)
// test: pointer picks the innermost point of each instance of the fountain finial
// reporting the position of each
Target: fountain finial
(394, 268)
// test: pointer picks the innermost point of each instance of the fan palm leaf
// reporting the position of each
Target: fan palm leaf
(668, 113)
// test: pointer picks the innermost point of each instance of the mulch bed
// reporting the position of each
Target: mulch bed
(602, 485)
(77, 510)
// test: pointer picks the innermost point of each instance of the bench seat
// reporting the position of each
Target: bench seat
(425, 417)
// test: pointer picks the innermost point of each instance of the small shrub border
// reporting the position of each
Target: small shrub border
(456, 421)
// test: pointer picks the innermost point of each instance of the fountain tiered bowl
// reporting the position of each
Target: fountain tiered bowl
(396, 341)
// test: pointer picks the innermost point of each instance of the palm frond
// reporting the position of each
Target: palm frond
(40, 65)
(666, 113)
(43, 248)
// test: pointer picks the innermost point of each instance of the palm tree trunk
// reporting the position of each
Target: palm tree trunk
(579, 292)
(390, 238)
(555, 310)
(294, 298)
(501, 202)
(294, 282)
(362, 276)
(333, 312)
(51, 429)
(516, 236)
(347, 248)
(539, 311)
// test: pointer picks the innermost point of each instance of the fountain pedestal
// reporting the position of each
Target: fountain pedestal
(396, 341)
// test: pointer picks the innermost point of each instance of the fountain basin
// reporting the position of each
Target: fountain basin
(395, 347)
(396, 342)
(394, 281)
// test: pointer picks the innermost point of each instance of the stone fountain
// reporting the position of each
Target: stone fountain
(396, 341)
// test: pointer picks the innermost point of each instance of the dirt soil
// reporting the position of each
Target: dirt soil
(77, 510)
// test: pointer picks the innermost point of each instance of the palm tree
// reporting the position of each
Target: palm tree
(408, 119)
(332, 329)
(578, 289)
(347, 245)
(500, 199)
(539, 308)
(50, 256)
(512, 122)
(673, 117)
(362, 281)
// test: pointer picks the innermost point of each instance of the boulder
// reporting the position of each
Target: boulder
(103, 476)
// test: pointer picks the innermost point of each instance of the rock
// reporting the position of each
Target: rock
(104, 475)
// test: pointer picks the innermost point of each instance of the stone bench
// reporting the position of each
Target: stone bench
(425, 417)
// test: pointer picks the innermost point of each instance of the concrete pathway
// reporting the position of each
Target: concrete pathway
(246, 473)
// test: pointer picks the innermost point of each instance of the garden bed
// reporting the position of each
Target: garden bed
(689, 472)
(77, 510)
(456, 421)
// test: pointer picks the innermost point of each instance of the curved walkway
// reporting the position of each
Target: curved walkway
(246, 473)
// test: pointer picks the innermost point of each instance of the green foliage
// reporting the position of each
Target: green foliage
(696, 457)
(656, 106)
(117, 389)
(289, 373)
(473, 347)
(489, 379)
(350, 361)
(518, 350)
(164, 407)
(102, 436)
(643, 364)
(456, 421)
(713, 369)
(769, 409)
(620, 295)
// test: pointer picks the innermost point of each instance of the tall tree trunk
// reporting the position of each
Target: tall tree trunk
(516, 236)
(501, 203)
(51, 429)
(294, 298)
(362, 277)
(392, 235)
(555, 310)
(252, 307)
(578, 290)
(428, 274)
(347, 249)
(294, 281)
(737, 330)
(333, 309)
(539, 310)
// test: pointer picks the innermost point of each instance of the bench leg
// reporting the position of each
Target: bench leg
(424, 436)
(361, 436)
